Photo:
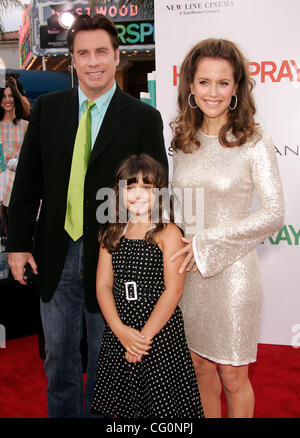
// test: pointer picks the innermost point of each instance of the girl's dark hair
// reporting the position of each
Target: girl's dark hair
(240, 121)
(129, 170)
(87, 22)
(18, 104)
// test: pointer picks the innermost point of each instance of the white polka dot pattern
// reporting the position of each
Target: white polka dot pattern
(163, 384)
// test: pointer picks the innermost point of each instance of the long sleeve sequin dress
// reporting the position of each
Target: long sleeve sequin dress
(222, 303)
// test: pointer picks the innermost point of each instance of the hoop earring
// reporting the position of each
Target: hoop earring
(189, 102)
(235, 105)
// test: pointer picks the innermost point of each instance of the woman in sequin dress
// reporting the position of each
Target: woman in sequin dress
(220, 149)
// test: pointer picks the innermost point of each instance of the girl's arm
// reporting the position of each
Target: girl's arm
(132, 340)
(171, 242)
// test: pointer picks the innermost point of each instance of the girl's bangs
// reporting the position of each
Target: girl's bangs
(136, 170)
(145, 166)
(147, 179)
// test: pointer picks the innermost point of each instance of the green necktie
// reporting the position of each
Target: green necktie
(81, 155)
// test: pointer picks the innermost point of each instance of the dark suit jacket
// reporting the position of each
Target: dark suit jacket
(129, 127)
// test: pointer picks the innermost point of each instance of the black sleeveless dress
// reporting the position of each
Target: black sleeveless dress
(163, 384)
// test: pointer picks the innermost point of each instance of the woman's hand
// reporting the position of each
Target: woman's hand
(189, 261)
(13, 81)
(133, 341)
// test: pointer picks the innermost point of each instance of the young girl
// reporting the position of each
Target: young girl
(144, 368)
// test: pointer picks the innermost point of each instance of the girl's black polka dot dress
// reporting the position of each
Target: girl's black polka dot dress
(163, 384)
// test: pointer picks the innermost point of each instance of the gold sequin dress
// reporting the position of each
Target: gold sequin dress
(222, 303)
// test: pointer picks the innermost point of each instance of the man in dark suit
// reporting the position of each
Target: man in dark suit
(120, 126)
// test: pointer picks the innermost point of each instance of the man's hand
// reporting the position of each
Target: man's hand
(17, 262)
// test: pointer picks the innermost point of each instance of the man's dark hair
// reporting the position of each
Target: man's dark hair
(86, 22)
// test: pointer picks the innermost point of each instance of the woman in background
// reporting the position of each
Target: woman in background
(12, 131)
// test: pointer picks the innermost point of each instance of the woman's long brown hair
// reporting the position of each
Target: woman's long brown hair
(240, 121)
(129, 170)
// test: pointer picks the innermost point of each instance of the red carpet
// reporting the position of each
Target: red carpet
(275, 378)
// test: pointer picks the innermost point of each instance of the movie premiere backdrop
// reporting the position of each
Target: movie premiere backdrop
(267, 31)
